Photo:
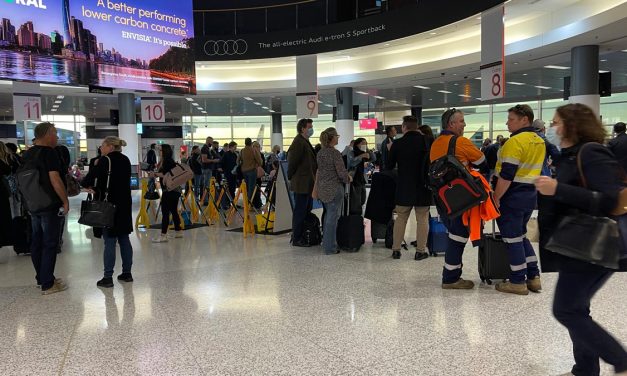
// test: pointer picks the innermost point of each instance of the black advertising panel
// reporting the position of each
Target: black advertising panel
(126, 44)
(395, 24)
(162, 131)
(244, 4)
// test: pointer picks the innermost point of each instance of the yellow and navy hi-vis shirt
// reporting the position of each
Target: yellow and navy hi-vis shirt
(520, 161)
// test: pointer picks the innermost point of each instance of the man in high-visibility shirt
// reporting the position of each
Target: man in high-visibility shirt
(467, 153)
(519, 165)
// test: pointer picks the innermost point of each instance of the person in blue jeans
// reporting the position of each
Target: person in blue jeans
(113, 173)
(329, 187)
(46, 221)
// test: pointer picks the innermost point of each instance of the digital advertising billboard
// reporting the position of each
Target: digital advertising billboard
(128, 44)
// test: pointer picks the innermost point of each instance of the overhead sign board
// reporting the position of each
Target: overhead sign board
(493, 53)
(394, 24)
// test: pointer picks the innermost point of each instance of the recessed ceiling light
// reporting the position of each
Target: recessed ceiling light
(257, 103)
(248, 98)
(187, 99)
(604, 71)
(200, 109)
(556, 67)
(542, 87)
(328, 105)
(58, 102)
(195, 104)
(478, 99)
(378, 97)
(387, 45)
(54, 110)
(477, 78)
(444, 91)
(422, 87)
(603, 60)
(515, 83)
(433, 33)
(624, 50)
(456, 84)
(361, 92)
(430, 99)
(265, 108)
(515, 63)
(270, 110)
(464, 95)
(320, 102)
(60, 96)
(525, 74)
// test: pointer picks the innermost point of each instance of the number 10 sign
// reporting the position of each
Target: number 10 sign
(153, 110)
(26, 107)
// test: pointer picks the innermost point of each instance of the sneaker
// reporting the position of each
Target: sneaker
(534, 284)
(56, 280)
(300, 243)
(56, 287)
(460, 284)
(178, 234)
(160, 239)
(421, 255)
(512, 288)
(125, 277)
(105, 282)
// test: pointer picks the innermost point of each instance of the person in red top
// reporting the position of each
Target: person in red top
(469, 155)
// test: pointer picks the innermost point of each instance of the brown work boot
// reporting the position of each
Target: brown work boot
(460, 284)
(534, 284)
(512, 288)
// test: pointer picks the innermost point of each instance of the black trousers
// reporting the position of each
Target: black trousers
(571, 308)
(169, 205)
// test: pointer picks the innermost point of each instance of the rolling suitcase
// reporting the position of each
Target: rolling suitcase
(350, 228)
(438, 237)
(22, 233)
(377, 230)
(493, 258)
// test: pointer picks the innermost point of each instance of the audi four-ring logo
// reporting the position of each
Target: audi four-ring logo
(225, 47)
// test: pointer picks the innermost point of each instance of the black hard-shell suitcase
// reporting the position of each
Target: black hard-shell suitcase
(493, 258)
(350, 229)
(22, 233)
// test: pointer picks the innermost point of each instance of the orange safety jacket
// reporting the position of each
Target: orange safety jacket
(486, 211)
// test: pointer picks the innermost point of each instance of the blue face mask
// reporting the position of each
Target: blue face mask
(553, 137)
(310, 132)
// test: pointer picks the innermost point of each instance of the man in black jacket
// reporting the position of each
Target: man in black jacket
(411, 154)
(618, 145)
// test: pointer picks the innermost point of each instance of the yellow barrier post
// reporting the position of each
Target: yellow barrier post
(249, 227)
(142, 217)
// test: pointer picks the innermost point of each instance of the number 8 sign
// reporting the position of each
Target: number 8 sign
(153, 110)
(492, 83)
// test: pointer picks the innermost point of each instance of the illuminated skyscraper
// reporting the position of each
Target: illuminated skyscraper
(65, 8)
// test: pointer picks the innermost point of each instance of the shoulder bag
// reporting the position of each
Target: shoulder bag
(586, 237)
(98, 213)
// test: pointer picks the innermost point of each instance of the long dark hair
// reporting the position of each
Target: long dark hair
(356, 148)
(166, 152)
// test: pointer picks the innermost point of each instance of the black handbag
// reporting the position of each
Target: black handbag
(586, 237)
(98, 213)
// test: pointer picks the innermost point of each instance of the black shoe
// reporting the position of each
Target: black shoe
(333, 252)
(396, 255)
(414, 243)
(105, 282)
(421, 256)
(125, 277)
(300, 243)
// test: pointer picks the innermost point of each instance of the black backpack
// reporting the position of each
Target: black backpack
(311, 230)
(34, 185)
(454, 189)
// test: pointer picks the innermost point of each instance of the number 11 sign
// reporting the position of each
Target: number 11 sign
(26, 107)
(153, 110)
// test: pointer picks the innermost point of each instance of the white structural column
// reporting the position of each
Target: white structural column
(584, 82)
(344, 124)
(127, 129)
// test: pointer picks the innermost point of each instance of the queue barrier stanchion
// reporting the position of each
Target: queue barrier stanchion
(249, 227)
(142, 217)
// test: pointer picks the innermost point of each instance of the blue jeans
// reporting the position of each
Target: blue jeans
(44, 244)
(250, 177)
(198, 179)
(302, 206)
(332, 210)
(126, 252)
(207, 173)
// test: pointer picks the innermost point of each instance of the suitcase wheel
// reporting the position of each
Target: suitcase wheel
(374, 240)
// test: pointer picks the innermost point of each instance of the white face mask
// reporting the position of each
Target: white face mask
(553, 137)
(363, 148)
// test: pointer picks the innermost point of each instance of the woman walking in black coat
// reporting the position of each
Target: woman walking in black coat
(169, 198)
(6, 237)
(580, 133)
(110, 178)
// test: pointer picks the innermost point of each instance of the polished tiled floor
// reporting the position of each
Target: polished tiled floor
(214, 303)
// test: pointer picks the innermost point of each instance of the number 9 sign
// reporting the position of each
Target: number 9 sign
(307, 106)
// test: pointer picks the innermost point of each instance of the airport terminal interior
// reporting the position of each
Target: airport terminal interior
(231, 294)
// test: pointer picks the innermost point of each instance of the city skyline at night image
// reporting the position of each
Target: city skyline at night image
(119, 44)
